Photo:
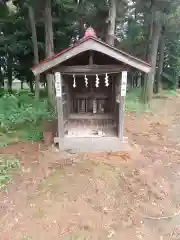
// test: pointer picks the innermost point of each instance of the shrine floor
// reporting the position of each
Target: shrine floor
(92, 135)
(91, 128)
(103, 144)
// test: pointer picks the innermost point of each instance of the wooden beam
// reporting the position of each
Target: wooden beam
(92, 45)
(91, 69)
(91, 58)
(58, 76)
(122, 57)
(118, 102)
(121, 105)
(89, 95)
(76, 116)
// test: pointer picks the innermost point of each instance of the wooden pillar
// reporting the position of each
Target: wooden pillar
(119, 110)
(121, 119)
(122, 82)
(59, 101)
(91, 58)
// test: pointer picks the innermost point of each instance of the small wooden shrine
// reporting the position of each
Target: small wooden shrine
(90, 79)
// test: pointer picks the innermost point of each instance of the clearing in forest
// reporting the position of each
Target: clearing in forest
(134, 195)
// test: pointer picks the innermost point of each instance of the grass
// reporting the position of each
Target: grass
(31, 133)
(6, 167)
(169, 93)
(25, 237)
(5, 140)
(133, 100)
(133, 103)
(18, 110)
(21, 117)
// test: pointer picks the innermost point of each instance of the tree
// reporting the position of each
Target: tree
(161, 60)
(30, 5)
(6, 46)
(49, 47)
(111, 22)
(35, 47)
(37, 29)
(149, 79)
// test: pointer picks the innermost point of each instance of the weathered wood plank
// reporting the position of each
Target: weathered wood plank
(89, 116)
(91, 69)
(121, 105)
(60, 110)
(91, 58)
(89, 95)
(92, 45)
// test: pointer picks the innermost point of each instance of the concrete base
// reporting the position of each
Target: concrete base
(103, 144)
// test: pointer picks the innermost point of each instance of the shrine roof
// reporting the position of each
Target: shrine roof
(90, 42)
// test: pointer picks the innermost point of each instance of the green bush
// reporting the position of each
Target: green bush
(132, 101)
(21, 109)
(5, 140)
(6, 167)
(32, 134)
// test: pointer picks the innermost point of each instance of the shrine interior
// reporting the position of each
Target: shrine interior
(90, 107)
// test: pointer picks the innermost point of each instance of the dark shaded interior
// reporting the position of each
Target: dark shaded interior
(83, 59)
(83, 97)
(89, 107)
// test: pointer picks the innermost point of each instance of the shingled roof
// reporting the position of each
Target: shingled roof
(90, 42)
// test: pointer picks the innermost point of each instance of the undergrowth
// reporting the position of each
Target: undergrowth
(169, 93)
(6, 168)
(133, 102)
(33, 133)
(5, 140)
(22, 116)
(26, 238)
(17, 110)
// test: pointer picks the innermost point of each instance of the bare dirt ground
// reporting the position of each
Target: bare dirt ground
(132, 195)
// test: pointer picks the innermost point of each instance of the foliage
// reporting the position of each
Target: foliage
(6, 139)
(133, 103)
(133, 100)
(69, 21)
(25, 237)
(34, 134)
(6, 167)
(21, 110)
(169, 93)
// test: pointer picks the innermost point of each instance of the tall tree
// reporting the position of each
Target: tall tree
(152, 58)
(9, 70)
(161, 60)
(49, 46)
(7, 37)
(111, 22)
(35, 46)
(48, 28)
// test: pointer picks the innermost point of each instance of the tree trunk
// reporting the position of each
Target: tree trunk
(49, 48)
(31, 84)
(111, 23)
(22, 85)
(149, 32)
(48, 29)
(1, 78)
(35, 47)
(161, 61)
(149, 79)
(9, 71)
